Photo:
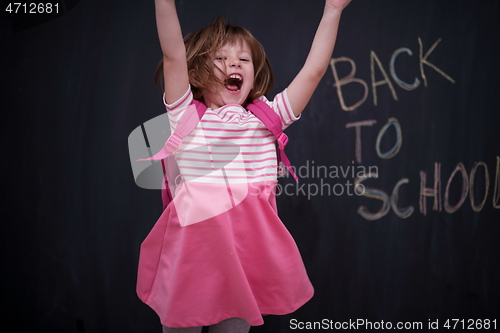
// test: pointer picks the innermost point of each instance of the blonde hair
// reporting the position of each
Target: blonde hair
(200, 48)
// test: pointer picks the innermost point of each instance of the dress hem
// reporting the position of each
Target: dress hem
(255, 321)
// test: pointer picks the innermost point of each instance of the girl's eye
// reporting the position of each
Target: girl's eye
(219, 58)
(244, 59)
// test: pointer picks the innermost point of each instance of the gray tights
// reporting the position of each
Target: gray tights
(231, 325)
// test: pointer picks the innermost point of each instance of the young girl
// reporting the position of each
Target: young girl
(218, 265)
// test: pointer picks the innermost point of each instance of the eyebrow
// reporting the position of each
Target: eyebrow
(242, 52)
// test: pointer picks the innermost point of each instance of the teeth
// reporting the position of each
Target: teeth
(236, 76)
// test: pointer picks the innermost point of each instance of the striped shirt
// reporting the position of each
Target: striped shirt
(229, 143)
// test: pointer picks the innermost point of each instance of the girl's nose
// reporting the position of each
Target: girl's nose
(234, 62)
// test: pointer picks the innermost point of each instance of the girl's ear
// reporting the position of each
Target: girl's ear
(193, 74)
(194, 78)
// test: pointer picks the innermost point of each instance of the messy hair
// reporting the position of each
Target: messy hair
(200, 49)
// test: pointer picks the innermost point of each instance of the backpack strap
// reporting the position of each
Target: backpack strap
(185, 125)
(273, 123)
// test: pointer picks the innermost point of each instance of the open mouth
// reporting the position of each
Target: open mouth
(234, 82)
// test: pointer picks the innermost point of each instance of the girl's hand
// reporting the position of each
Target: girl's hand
(175, 71)
(303, 85)
(337, 4)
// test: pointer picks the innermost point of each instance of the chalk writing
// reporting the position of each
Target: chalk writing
(399, 139)
(392, 66)
(468, 182)
(423, 60)
(348, 79)
(375, 84)
(465, 189)
(375, 194)
(401, 212)
(486, 186)
(381, 195)
(374, 59)
(357, 125)
(431, 192)
(434, 192)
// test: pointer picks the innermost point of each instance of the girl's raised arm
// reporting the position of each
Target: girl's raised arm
(303, 85)
(175, 72)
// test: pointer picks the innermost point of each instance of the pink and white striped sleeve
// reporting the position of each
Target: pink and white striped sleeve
(176, 109)
(282, 107)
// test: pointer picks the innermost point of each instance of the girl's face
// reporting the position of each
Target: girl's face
(237, 73)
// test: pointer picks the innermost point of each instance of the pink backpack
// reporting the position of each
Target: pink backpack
(188, 123)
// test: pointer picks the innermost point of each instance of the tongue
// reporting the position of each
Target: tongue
(231, 87)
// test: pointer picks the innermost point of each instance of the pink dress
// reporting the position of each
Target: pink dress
(204, 261)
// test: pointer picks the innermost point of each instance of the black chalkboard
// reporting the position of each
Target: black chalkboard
(397, 213)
